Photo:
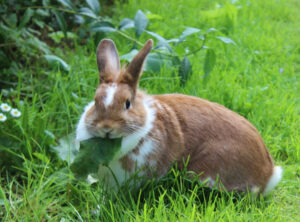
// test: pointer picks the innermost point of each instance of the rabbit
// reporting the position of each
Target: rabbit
(159, 130)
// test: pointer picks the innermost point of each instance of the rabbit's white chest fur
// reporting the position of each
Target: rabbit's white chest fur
(128, 144)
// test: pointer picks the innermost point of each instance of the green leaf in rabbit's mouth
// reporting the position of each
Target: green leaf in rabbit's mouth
(92, 153)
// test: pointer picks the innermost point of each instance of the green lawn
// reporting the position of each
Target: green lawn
(258, 77)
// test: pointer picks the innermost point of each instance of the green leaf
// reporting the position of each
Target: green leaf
(67, 148)
(126, 23)
(79, 19)
(94, 5)
(129, 56)
(162, 42)
(103, 27)
(140, 22)
(87, 12)
(184, 70)
(188, 31)
(67, 3)
(42, 12)
(209, 62)
(57, 62)
(158, 37)
(92, 153)
(226, 40)
(61, 22)
(26, 17)
(156, 61)
(211, 30)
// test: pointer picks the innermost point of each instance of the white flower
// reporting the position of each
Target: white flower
(5, 107)
(15, 113)
(2, 117)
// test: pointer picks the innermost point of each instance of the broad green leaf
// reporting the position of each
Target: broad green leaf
(26, 17)
(140, 22)
(157, 36)
(61, 22)
(156, 61)
(162, 42)
(94, 5)
(67, 3)
(126, 23)
(211, 30)
(79, 19)
(67, 148)
(129, 56)
(188, 31)
(87, 12)
(173, 40)
(202, 37)
(209, 62)
(57, 62)
(226, 40)
(103, 27)
(42, 12)
(184, 70)
(92, 153)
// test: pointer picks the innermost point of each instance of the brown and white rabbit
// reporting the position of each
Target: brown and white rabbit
(157, 130)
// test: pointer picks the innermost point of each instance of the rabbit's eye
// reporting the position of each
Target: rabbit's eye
(127, 104)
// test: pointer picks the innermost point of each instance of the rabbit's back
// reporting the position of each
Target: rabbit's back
(220, 143)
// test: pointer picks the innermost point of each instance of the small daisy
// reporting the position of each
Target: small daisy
(15, 113)
(5, 107)
(2, 117)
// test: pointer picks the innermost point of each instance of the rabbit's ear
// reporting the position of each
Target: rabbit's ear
(108, 60)
(135, 67)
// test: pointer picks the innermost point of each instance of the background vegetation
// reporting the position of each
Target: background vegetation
(242, 54)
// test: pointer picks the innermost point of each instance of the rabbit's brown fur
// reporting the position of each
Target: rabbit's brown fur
(220, 142)
(158, 130)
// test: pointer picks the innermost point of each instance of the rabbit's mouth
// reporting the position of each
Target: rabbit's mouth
(107, 135)
(112, 136)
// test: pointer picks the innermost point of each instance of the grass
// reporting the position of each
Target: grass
(258, 78)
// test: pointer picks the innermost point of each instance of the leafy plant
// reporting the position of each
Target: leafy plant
(20, 32)
(85, 157)
(92, 153)
(166, 50)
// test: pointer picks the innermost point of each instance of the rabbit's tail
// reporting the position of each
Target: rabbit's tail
(274, 179)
